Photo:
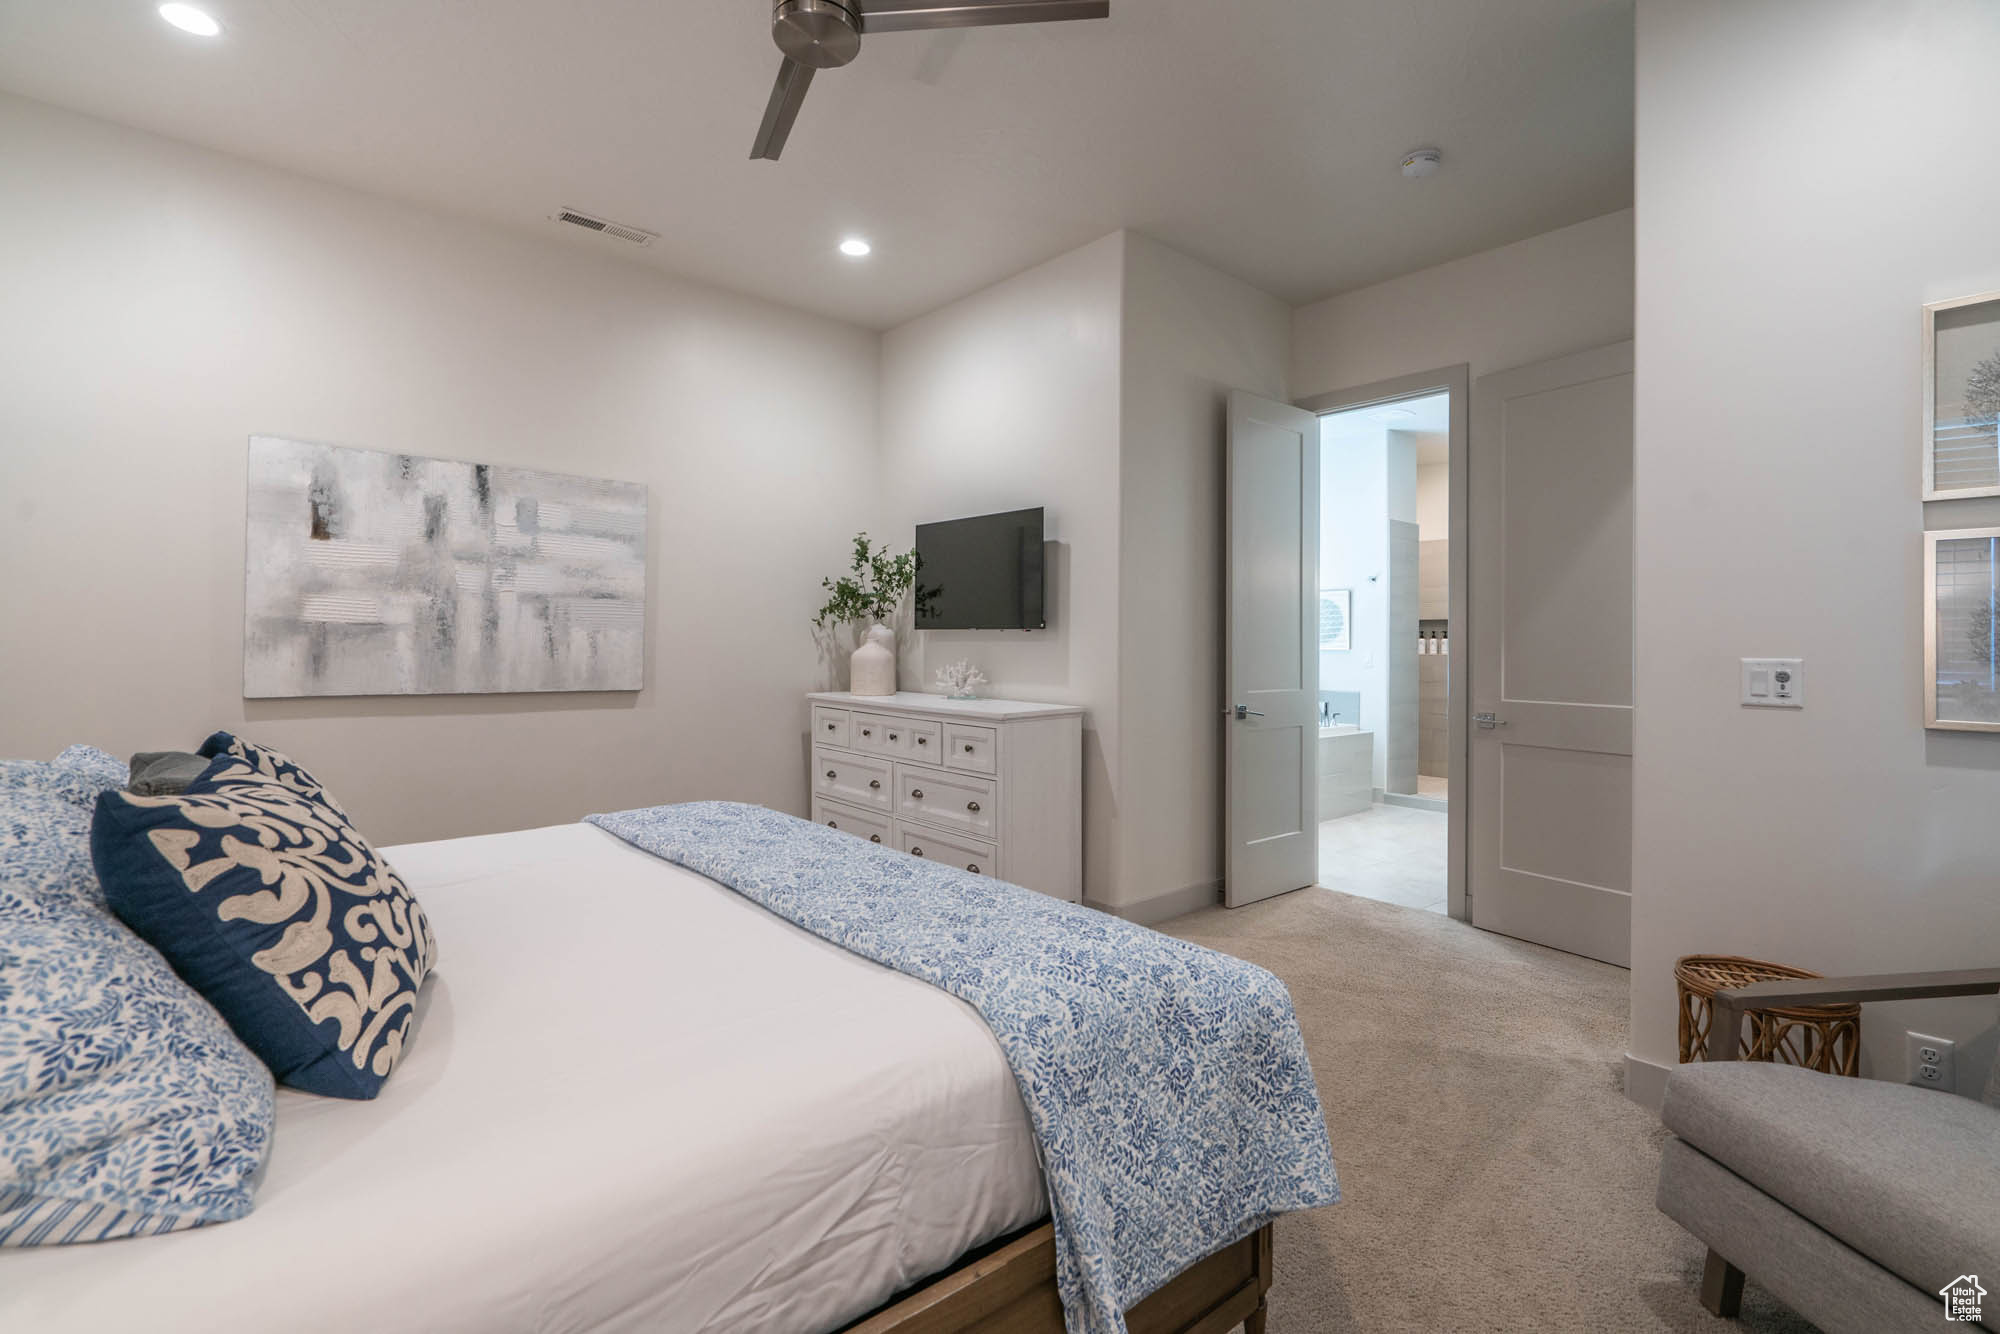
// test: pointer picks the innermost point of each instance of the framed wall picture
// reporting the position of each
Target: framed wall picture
(1336, 618)
(395, 574)
(1962, 397)
(1962, 630)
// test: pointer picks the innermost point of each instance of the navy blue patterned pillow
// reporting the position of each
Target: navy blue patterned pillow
(257, 888)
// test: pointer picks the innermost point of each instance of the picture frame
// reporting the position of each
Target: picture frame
(1336, 619)
(1962, 630)
(1961, 397)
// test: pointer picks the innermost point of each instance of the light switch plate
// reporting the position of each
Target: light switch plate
(1774, 683)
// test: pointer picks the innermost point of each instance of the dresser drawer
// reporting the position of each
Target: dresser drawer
(880, 733)
(926, 742)
(969, 854)
(857, 779)
(871, 825)
(829, 726)
(970, 748)
(948, 801)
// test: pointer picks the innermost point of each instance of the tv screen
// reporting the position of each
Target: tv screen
(981, 574)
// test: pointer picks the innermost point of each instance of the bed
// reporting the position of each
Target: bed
(706, 1118)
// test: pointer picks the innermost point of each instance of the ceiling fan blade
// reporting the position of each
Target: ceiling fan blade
(782, 110)
(911, 15)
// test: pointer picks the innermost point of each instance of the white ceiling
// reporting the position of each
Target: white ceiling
(1425, 421)
(1262, 136)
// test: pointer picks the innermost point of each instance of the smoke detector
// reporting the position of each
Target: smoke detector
(1421, 162)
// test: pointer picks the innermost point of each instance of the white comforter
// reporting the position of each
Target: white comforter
(636, 1102)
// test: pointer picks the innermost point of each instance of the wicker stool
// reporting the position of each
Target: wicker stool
(1820, 1037)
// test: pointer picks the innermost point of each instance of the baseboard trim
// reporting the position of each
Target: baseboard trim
(1164, 907)
(1645, 1082)
(1414, 802)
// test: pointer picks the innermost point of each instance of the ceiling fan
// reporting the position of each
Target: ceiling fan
(826, 34)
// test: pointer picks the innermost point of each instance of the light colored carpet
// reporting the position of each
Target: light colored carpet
(1493, 1174)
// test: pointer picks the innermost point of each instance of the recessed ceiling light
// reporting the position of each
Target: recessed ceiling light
(854, 247)
(189, 19)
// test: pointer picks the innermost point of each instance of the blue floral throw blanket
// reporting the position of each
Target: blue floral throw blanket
(1167, 1084)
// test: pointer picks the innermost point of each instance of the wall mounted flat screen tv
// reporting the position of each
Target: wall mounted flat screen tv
(983, 573)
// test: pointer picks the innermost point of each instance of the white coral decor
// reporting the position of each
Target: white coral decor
(960, 680)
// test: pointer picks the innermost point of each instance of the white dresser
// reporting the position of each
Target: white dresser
(991, 785)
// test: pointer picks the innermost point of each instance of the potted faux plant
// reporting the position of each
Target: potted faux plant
(870, 594)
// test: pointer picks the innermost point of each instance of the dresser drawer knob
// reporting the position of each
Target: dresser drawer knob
(892, 736)
(968, 747)
(923, 740)
(874, 782)
(916, 852)
(973, 867)
(916, 794)
(866, 732)
(874, 838)
(833, 824)
(972, 806)
(829, 727)
(831, 774)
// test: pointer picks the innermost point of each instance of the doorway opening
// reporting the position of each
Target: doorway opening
(1386, 761)
(1290, 618)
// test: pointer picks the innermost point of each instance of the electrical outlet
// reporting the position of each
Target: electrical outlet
(1932, 1061)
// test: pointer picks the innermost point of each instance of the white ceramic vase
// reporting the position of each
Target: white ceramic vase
(872, 669)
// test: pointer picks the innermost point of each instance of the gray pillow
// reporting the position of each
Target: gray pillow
(162, 773)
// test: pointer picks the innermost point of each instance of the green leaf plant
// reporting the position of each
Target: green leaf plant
(874, 586)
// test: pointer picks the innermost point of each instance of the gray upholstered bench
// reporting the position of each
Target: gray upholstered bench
(1854, 1201)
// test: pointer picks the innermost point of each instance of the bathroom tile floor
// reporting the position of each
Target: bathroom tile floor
(1391, 853)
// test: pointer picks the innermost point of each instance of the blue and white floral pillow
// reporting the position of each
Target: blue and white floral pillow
(127, 1107)
(257, 887)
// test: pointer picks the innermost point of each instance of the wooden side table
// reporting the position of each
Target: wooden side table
(1826, 1038)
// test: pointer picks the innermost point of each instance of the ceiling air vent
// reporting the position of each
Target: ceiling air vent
(636, 235)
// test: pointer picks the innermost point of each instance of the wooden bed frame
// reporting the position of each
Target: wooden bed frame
(1011, 1289)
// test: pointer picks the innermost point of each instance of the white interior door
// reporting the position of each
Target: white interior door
(1551, 622)
(1271, 713)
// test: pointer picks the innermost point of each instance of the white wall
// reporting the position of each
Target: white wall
(1007, 399)
(1809, 173)
(1191, 335)
(1354, 554)
(1094, 385)
(163, 302)
(1547, 296)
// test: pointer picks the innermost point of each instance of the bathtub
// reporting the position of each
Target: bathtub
(1346, 770)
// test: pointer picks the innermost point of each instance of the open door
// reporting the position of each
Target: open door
(1271, 713)
(1551, 612)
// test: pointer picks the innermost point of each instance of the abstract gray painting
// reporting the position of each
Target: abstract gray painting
(390, 574)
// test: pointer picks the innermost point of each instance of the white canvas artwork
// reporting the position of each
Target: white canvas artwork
(390, 574)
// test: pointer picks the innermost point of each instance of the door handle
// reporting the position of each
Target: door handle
(1488, 721)
(1242, 711)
